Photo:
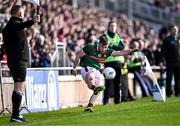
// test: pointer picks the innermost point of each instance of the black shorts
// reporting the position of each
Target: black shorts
(18, 70)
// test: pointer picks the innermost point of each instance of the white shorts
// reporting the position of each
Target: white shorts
(98, 76)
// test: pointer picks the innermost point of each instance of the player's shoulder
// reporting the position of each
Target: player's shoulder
(88, 46)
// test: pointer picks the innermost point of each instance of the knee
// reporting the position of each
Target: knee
(19, 87)
(90, 78)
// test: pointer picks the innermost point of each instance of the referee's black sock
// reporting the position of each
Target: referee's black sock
(16, 101)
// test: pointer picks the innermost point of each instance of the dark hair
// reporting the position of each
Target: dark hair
(15, 9)
(171, 26)
(110, 22)
(103, 40)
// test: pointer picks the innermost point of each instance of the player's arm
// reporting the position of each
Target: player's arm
(123, 52)
(77, 60)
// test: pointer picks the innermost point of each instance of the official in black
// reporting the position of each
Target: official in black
(16, 48)
(171, 53)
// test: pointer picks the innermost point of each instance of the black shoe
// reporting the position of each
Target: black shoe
(169, 96)
(177, 95)
(88, 109)
(99, 89)
(105, 103)
(18, 119)
(125, 99)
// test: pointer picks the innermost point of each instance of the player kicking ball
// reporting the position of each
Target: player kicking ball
(91, 58)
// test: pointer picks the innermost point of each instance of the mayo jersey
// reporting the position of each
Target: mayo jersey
(94, 58)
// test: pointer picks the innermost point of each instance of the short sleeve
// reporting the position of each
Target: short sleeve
(109, 51)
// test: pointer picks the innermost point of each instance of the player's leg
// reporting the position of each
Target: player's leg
(94, 79)
(89, 78)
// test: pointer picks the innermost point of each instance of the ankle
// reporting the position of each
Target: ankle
(90, 105)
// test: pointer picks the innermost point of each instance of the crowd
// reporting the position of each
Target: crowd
(169, 5)
(75, 27)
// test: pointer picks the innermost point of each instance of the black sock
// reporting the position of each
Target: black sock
(90, 105)
(16, 101)
(93, 87)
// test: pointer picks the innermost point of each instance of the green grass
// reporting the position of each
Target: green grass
(142, 112)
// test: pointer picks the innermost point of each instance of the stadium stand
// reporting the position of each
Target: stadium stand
(74, 26)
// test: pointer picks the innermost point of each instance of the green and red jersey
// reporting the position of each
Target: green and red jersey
(94, 58)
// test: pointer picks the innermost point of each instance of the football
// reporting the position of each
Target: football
(109, 73)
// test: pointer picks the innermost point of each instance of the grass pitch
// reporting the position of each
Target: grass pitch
(142, 112)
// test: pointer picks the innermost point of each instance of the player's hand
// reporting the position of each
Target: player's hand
(135, 50)
(132, 51)
(74, 72)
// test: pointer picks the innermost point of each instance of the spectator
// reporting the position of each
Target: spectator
(45, 61)
(117, 43)
(135, 65)
(73, 26)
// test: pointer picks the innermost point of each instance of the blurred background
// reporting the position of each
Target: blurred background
(66, 25)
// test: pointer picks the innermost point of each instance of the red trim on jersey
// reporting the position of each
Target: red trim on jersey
(97, 50)
(101, 60)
